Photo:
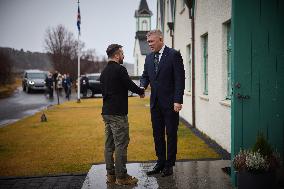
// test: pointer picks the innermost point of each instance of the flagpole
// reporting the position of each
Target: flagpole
(78, 80)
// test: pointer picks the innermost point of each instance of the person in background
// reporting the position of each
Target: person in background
(67, 83)
(59, 83)
(54, 77)
(84, 83)
(49, 85)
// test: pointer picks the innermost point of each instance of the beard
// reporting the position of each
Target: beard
(120, 61)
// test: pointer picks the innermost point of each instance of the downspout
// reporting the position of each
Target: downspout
(171, 22)
(190, 4)
(171, 27)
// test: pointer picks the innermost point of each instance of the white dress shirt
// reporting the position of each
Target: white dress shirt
(161, 52)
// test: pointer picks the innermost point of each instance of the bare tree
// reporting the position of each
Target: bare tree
(90, 55)
(62, 47)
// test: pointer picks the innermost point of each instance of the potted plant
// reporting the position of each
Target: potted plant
(256, 167)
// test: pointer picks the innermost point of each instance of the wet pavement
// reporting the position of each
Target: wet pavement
(187, 175)
(49, 182)
(21, 105)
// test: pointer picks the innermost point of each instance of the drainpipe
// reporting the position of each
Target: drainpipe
(171, 27)
(190, 5)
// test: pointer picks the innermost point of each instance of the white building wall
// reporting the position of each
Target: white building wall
(182, 38)
(141, 62)
(136, 57)
(213, 115)
(167, 37)
(158, 20)
(182, 35)
(139, 59)
(213, 112)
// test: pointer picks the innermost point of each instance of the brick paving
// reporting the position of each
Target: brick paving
(48, 182)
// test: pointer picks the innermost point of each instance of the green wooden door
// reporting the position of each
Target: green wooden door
(257, 73)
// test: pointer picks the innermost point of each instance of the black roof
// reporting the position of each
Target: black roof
(143, 5)
(143, 9)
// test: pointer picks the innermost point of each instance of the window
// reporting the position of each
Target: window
(36, 75)
(205, 64)
(188, 75)
(229, 61)
(144, 25)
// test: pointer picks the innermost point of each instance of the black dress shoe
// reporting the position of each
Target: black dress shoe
(167, 171)
(157, 169)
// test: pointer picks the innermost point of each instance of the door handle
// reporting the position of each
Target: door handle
(239, 96)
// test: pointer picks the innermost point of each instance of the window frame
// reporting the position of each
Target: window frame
(189, 64)
(205, 63)
(229, 61)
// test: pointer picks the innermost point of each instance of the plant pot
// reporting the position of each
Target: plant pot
(248, 180)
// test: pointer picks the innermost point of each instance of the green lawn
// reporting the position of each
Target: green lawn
(73, 139)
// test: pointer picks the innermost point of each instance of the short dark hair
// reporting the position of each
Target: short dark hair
(112, 50)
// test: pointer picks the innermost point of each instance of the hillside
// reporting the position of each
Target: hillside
(27, 60)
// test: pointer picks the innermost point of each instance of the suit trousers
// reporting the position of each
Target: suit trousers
(165, 121)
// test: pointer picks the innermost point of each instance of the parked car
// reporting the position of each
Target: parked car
(94, 84)
(34, 80)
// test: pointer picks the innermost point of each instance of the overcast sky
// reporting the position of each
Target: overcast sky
(23, 22)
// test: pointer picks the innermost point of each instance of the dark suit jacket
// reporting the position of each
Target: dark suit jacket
(115, 83)
(167, 86)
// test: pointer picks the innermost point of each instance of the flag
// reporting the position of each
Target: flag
(78, 20)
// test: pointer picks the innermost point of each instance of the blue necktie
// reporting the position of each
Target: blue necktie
(156, 62)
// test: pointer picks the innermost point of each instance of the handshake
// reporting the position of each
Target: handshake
(142, 95)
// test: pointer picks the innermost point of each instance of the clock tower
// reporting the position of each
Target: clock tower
(143, 25)
(143, 17)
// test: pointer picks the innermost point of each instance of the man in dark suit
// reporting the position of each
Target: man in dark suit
(164, 71)
(115, 83)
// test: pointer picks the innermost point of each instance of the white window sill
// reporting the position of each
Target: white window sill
(187, 93)
(204, 97)
(225, 103)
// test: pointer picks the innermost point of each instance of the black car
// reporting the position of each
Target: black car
(34, 80)
(94, 84)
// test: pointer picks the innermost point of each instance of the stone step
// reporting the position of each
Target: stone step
(189, 174)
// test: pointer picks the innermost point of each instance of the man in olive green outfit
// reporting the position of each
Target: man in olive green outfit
(115, 83)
